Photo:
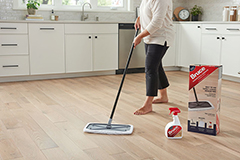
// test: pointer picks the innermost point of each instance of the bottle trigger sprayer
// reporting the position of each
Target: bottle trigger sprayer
(173, 130)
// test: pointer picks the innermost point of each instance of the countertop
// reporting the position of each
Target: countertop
(206, 22)
(109, 22)
(56, 22)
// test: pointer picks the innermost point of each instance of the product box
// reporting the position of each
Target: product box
(204, 99)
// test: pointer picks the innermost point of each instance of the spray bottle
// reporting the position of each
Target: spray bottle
(173, 130)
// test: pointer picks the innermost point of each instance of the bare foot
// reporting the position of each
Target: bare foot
(144, 110)
(160, 100)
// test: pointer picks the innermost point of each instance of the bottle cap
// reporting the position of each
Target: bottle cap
(174, 110)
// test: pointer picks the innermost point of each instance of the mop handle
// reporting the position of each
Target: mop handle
(124, 74)
(195, 94)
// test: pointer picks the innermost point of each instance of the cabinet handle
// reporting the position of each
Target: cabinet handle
(89, 37)
(198, 26)
(8, 45)
(9, 66)
(223, 38)
(8, 28)
(218, 37)
(47, 28)
(233, 29)
(95, 36)
(213, 28)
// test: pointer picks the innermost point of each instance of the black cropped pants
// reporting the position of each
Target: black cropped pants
(155, 74)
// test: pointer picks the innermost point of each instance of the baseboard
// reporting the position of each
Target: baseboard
(231, 78)
(55, 76)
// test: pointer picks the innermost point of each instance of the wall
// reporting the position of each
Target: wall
(212, 11)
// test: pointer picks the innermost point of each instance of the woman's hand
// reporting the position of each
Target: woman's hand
(137, 40)
(137, 23)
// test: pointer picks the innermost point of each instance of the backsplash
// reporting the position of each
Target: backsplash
(212, 11)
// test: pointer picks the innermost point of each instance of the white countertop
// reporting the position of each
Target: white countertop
(108, 22)
(56, 22)
(206, 22)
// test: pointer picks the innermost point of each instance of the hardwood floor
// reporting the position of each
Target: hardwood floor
(44, 120)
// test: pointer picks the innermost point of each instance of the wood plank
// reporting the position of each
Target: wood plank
(40, 138)
(8, 149)
(55, 154)
(64, 143)
(25, 144)
(98, 154)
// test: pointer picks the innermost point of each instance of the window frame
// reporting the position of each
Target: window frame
(127, 6)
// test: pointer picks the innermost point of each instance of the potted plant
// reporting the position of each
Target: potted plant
(32, 6)
(195, 12)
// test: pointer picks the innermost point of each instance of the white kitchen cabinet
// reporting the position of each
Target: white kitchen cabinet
(14, 55)
(169, 58)
(14, 65)
(190, 44)
(46, 48)
(78, 53)
(91, 47)
(230, 58)
(211, 49)
(105, 49)
(219, 47)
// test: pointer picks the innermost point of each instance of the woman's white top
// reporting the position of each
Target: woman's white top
(156, 18)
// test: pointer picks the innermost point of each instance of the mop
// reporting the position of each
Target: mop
(109, 128)
(199, 105)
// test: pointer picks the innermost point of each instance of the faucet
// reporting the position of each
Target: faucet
(83, 17)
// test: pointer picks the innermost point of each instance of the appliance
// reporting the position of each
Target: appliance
(126, 35)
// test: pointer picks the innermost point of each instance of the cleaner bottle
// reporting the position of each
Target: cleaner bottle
(52, 17)
(173, 130)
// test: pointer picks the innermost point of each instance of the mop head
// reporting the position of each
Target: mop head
(101, 128)
(199, 106)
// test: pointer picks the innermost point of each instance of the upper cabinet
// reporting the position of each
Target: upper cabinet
(46, 48)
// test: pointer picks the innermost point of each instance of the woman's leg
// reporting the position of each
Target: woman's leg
(163, 82)
(154, 54)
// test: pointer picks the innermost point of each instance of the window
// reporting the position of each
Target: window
(122, 5)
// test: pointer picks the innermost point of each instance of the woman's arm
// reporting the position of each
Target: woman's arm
(139, 38)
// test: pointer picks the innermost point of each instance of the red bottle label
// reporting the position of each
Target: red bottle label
(174, 130)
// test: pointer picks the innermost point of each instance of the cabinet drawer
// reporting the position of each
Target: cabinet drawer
(91, 28)
(13, 44)
(45, 29)
(13, 28)
(14, 65)
(212, 28)
(231, 29)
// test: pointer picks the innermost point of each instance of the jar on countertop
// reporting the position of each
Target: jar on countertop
(233, 13)
(226, 12)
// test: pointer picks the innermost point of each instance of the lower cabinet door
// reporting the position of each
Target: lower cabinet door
(78, 53)
(231, 56)
(46, 48)
(105, 52)
(211, 49)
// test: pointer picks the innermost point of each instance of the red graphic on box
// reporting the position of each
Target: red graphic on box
(199, 73)
(173, 131)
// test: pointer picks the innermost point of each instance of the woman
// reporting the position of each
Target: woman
(155, 22)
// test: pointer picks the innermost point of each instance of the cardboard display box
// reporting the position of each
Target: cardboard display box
(204, 99)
